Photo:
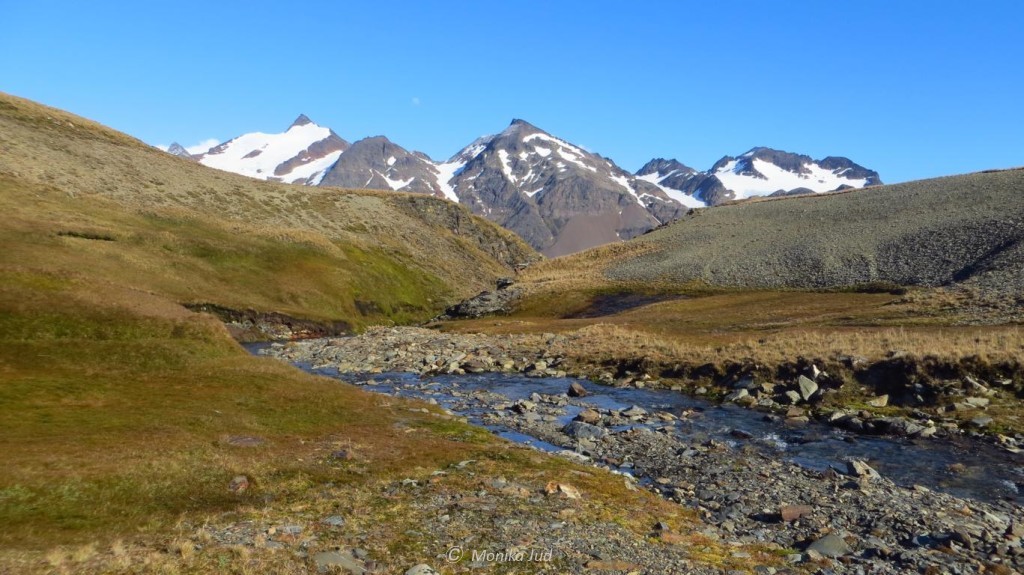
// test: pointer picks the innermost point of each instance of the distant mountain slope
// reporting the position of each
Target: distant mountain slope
(300, 155)
(557, 196)
(935, 232)
(379, 164)
(759, 172)
(83, 200)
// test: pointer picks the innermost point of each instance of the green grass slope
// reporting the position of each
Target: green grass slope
(82, 199)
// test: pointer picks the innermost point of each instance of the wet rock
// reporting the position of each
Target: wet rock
(737, 395)
(588, 416)
(858, 468)
(525, 406)
(807, 388)
(741, 434)
(475, 366)
(581, 430)
(577, 390)
(633, 411)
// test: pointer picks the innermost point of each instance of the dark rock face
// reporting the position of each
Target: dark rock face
(379, 164)
(664, 168)
(557, 196)
(484, 303)
(330, 144)
(850, 169)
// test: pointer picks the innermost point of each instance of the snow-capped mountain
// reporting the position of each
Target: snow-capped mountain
(557, 196)
(759, 172)
(300, 155)
(379, 164)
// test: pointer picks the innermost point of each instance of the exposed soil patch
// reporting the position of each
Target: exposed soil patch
(250, 325)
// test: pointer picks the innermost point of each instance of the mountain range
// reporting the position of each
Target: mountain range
(557, 196)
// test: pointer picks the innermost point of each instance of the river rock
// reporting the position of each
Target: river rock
(581, 430)
(737, 395)
(858, 468)
(793, 396)
(577, 390)
(634, 412)
(807, 387)
(588, 416)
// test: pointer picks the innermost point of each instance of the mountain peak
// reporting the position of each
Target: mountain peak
(177, 149)
(520, 125)
(302, 120)
(664, 167)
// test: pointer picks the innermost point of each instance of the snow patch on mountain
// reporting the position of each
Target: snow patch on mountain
(686, 200)
(775, 178)
(259, 155)
(445, 173)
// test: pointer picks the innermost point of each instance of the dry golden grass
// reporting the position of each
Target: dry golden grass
(61, 173)
(710, 326)
(118, 414)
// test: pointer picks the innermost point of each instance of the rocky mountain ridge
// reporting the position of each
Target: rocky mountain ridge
(557, 196)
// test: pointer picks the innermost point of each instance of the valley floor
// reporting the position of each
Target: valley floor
(851, 520)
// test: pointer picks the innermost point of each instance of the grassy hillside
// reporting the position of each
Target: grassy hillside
(926, 233)
(80, 198)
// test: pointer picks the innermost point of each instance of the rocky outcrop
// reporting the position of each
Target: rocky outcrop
(498, 301)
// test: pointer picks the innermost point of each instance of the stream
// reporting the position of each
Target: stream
(990, 474)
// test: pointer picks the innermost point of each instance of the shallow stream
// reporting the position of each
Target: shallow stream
(990, 473)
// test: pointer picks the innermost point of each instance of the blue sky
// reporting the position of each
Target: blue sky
(910, 89)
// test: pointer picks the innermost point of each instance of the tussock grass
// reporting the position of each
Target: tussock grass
(117, 416)
(200, 235)
(713, 326)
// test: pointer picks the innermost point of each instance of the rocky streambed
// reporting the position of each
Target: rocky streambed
(854, 503)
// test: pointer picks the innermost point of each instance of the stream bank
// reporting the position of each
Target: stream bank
(947, 504)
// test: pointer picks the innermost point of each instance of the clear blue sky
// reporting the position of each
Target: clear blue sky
(912, 89)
